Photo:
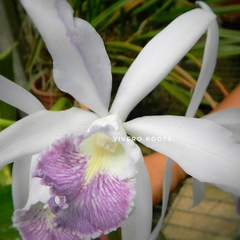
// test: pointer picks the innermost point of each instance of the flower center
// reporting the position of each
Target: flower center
(106, 143)
(102, 150)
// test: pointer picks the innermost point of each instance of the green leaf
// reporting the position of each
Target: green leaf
(123, 46)
(106, 13)
(228, 50)
(146, 36)
(181, 94)
(228, 33)
(226, 9)
(115, 235)
(7, 232)
(122, 58)
(35, 53)
(5, 176)
(224, 51)
(119, 70)
(176, 92)
(62, 103)
(6, 63)
(144, 6)
(6, 123)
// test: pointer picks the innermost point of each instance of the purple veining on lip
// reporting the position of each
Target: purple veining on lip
(85, 210)
(99, 208)
(62, 167)
(34, 224)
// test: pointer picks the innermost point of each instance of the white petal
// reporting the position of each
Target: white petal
(20, 182)
(138, 225)
(166, 189)
(37, 131)
(81, 65)
(208, 64)
(27, 191)
(18, 97)
(202, 148)
(158, 57)
(198, 192)
(228, 118)
(36, 192)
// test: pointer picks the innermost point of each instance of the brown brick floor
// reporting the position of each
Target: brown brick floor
(214, 219)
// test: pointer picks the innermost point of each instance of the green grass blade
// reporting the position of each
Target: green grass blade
(119, 70)
(106, 13)
(35, 53)
(179, 93)
(226, 9)
(123, 46)
(228, 33)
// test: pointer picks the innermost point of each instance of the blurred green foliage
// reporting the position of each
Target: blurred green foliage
(6, 69)
(7, 232)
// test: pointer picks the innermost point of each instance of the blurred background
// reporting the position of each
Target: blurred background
(126, 26)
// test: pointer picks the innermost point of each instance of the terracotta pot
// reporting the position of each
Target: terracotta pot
(48, 99)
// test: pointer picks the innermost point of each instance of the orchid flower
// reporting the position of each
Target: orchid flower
(76, 173)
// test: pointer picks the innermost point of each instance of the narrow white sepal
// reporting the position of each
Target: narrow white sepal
(198, 192)
(18, 97)
(166, 189)
(158, 57)
(20, 182)
(138, 224)
(208, 64)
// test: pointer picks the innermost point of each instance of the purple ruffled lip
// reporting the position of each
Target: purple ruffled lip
(91, 193)
(36, 224)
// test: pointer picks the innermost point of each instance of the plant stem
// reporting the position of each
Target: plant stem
(6, 123)
(62, 103)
